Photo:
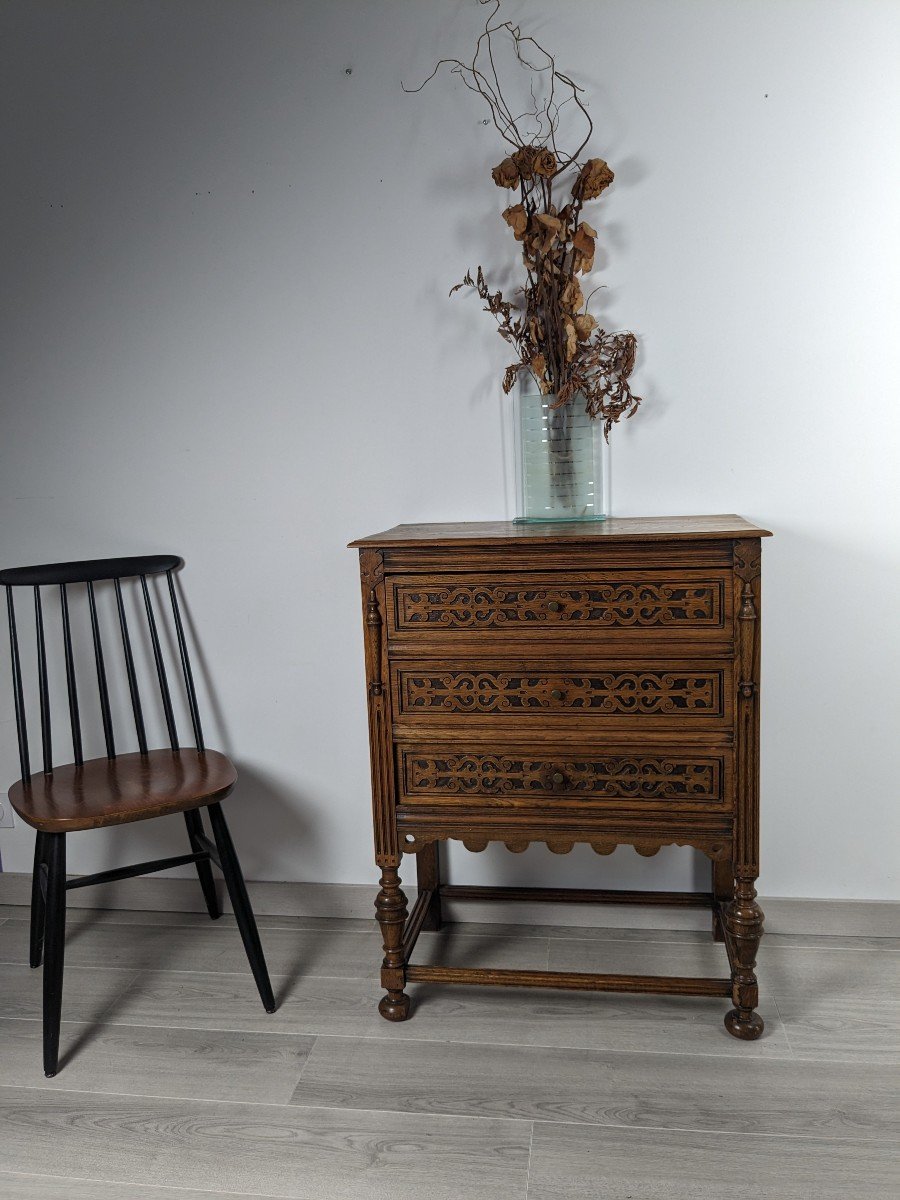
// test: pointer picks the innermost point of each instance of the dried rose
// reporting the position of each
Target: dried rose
(594, 178)
(506, 175)
(523, 160)
(544, 163)
(584, 326)
(517, 219)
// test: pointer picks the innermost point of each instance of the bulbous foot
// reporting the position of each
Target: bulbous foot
(394, 1008)
(746, 1025)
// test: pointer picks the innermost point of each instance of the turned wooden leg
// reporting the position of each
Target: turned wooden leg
(723, 891)
(390, 909)
(744, 926)
(428, 879)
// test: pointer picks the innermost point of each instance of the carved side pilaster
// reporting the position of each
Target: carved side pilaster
(387, 850)
(747, 607)
(743, 918)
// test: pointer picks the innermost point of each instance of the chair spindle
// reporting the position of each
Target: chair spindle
(71, 686)
(130, 671)
(18, 698)
(43, 688)
(186, 665)
(160, 666)
(105, 713)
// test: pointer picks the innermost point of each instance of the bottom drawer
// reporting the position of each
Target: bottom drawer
(522, 776)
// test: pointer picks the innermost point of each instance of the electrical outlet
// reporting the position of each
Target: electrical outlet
(6, 812)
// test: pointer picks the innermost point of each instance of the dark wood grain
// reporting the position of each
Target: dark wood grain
(115, 791)
(644, 529)
(585, 981)
(588, 683)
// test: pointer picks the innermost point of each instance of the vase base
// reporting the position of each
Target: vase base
(558, 520)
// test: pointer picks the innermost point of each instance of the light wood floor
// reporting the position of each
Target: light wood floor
(176, 1084)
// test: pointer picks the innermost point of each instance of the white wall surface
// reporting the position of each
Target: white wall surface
(228, 240)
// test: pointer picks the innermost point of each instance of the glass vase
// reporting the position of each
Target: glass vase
(560, 459)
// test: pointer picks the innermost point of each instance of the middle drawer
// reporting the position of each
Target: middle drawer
(653, 693)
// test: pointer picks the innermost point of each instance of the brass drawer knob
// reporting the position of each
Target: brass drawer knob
(557, 694)
(558, 778)
(554, 606)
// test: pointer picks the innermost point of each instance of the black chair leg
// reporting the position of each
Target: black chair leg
(38, 907)
(54, 946)
(194, 824)
(240, 902)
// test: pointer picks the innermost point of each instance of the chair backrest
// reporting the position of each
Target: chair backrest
(114, 571)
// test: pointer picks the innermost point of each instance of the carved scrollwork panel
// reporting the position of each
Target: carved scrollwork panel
(601, 777)
(688, 692)
(625, 604)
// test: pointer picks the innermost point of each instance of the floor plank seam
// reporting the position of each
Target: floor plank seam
(472, 929)
(381, 1037)
(376, 1037)
(791, 1056)
(882, 1143)
(325, 1108)
(466, 1116)
(717, 1131)
(125, 1183)
(528, 1166)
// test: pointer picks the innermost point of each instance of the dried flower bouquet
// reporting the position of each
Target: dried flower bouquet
(554, 335)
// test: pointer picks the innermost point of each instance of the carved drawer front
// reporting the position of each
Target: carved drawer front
(515, 776)
(695, 694)
(560, 604)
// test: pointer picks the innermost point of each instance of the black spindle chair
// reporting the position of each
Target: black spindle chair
(120, 787)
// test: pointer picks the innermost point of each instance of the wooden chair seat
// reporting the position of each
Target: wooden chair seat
(114, 791)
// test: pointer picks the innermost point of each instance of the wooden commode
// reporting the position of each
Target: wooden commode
(593, 682)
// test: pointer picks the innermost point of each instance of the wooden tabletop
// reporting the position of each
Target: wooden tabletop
(651, 529)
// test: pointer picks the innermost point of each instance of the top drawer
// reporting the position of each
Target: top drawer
(560, 605)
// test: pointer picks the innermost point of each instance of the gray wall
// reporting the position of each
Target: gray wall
(227, 332)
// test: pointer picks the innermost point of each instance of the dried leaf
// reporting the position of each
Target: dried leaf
(546, 230)
(583, 265)
(571, 346)
(584, 325)
(572, 297)
(583, 244)
(517, 219)
(510, 375)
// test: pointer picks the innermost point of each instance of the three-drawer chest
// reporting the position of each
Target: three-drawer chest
(578, 683)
